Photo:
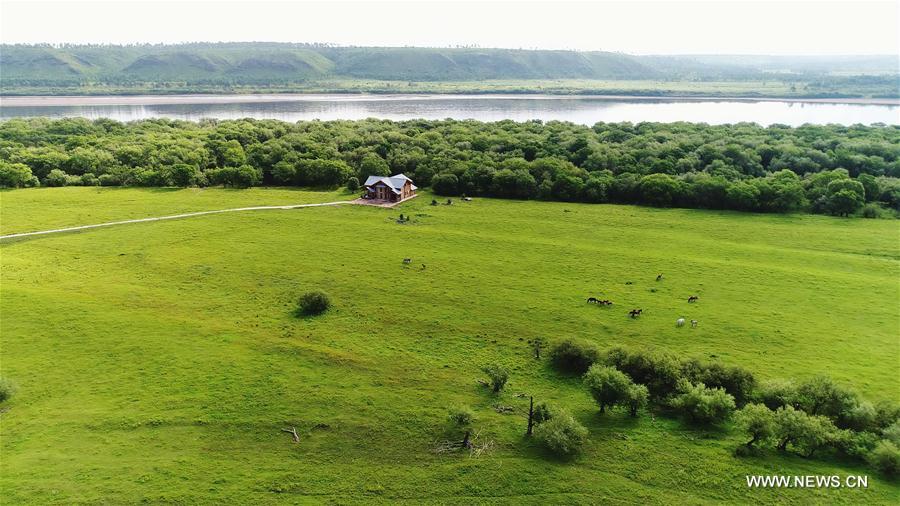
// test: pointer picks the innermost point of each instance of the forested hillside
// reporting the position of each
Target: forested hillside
(824, 169)
(156, 67)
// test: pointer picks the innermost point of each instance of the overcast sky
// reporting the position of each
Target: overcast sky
(637, 26)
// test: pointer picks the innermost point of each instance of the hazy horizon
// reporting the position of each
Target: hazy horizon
(643, 27)
(331, 44)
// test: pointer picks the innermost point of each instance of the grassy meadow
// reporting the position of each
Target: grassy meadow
(159, 362)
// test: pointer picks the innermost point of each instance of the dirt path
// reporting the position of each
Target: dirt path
(171, 217)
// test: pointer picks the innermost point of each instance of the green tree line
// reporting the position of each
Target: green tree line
(823, 169)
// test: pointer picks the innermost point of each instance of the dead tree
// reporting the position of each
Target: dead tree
(530, 417)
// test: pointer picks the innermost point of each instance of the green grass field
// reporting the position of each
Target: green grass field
(158, 362)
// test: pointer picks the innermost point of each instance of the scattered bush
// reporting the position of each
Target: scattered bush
(702, 405)
(562, 434)
(497, 376)
(352, 184)
(607, 385)
(885, 458)
(314, 303)
(461, 416)
(7, 389)
(573, 356)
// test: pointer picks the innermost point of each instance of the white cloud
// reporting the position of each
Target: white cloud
(667, 27)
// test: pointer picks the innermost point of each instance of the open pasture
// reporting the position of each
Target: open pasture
(167, 357)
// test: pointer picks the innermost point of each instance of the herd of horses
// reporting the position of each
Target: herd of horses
(634, 313)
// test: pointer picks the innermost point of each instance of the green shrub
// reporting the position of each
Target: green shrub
(497, 375)
(56, 177)
(7, 389)
(461, 416)
(543, 412)
(314, 303)
(572, 356)
(561, 434)
(89, 179)
(885, 458)
(109, 180)
(871, 211)
(353, 184)
(702, 405)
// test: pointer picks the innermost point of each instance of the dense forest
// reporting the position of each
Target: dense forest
(822, 169)
(214, 67)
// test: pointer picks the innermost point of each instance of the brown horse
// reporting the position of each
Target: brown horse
(634, 313)
(693, 298)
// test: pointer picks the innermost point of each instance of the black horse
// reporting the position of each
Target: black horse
(593, 300)
(634, 313)
(693, 298)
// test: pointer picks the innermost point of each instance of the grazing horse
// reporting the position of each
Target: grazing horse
(606, 302)
(593, 300)
(407, 261)
(634, 313)
(659, 277)
(679, 322)
(693, 298)
(693, 324)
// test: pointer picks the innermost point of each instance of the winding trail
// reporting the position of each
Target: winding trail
(170, 217)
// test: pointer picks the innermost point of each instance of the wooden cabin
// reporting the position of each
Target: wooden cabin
(389, 188)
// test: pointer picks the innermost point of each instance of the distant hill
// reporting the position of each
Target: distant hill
(260, 63)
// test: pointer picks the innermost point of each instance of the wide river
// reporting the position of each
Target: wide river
(581, 109)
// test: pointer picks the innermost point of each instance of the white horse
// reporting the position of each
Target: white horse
(694, 323)
(679, 322)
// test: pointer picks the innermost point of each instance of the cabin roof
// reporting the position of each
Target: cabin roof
(395, 182)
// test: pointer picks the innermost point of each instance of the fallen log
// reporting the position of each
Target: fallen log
(293, 432)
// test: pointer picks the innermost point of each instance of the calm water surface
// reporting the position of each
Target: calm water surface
(583, 110)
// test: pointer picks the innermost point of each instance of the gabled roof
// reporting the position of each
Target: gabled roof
(395, 183)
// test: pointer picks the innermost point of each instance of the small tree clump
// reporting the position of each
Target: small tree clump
(757, 421)
(352, 184)
(497, 375)
(314, 303)
(562, 434)
(607, 385)
(702, 405)
(572, 356)
(462, 416)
